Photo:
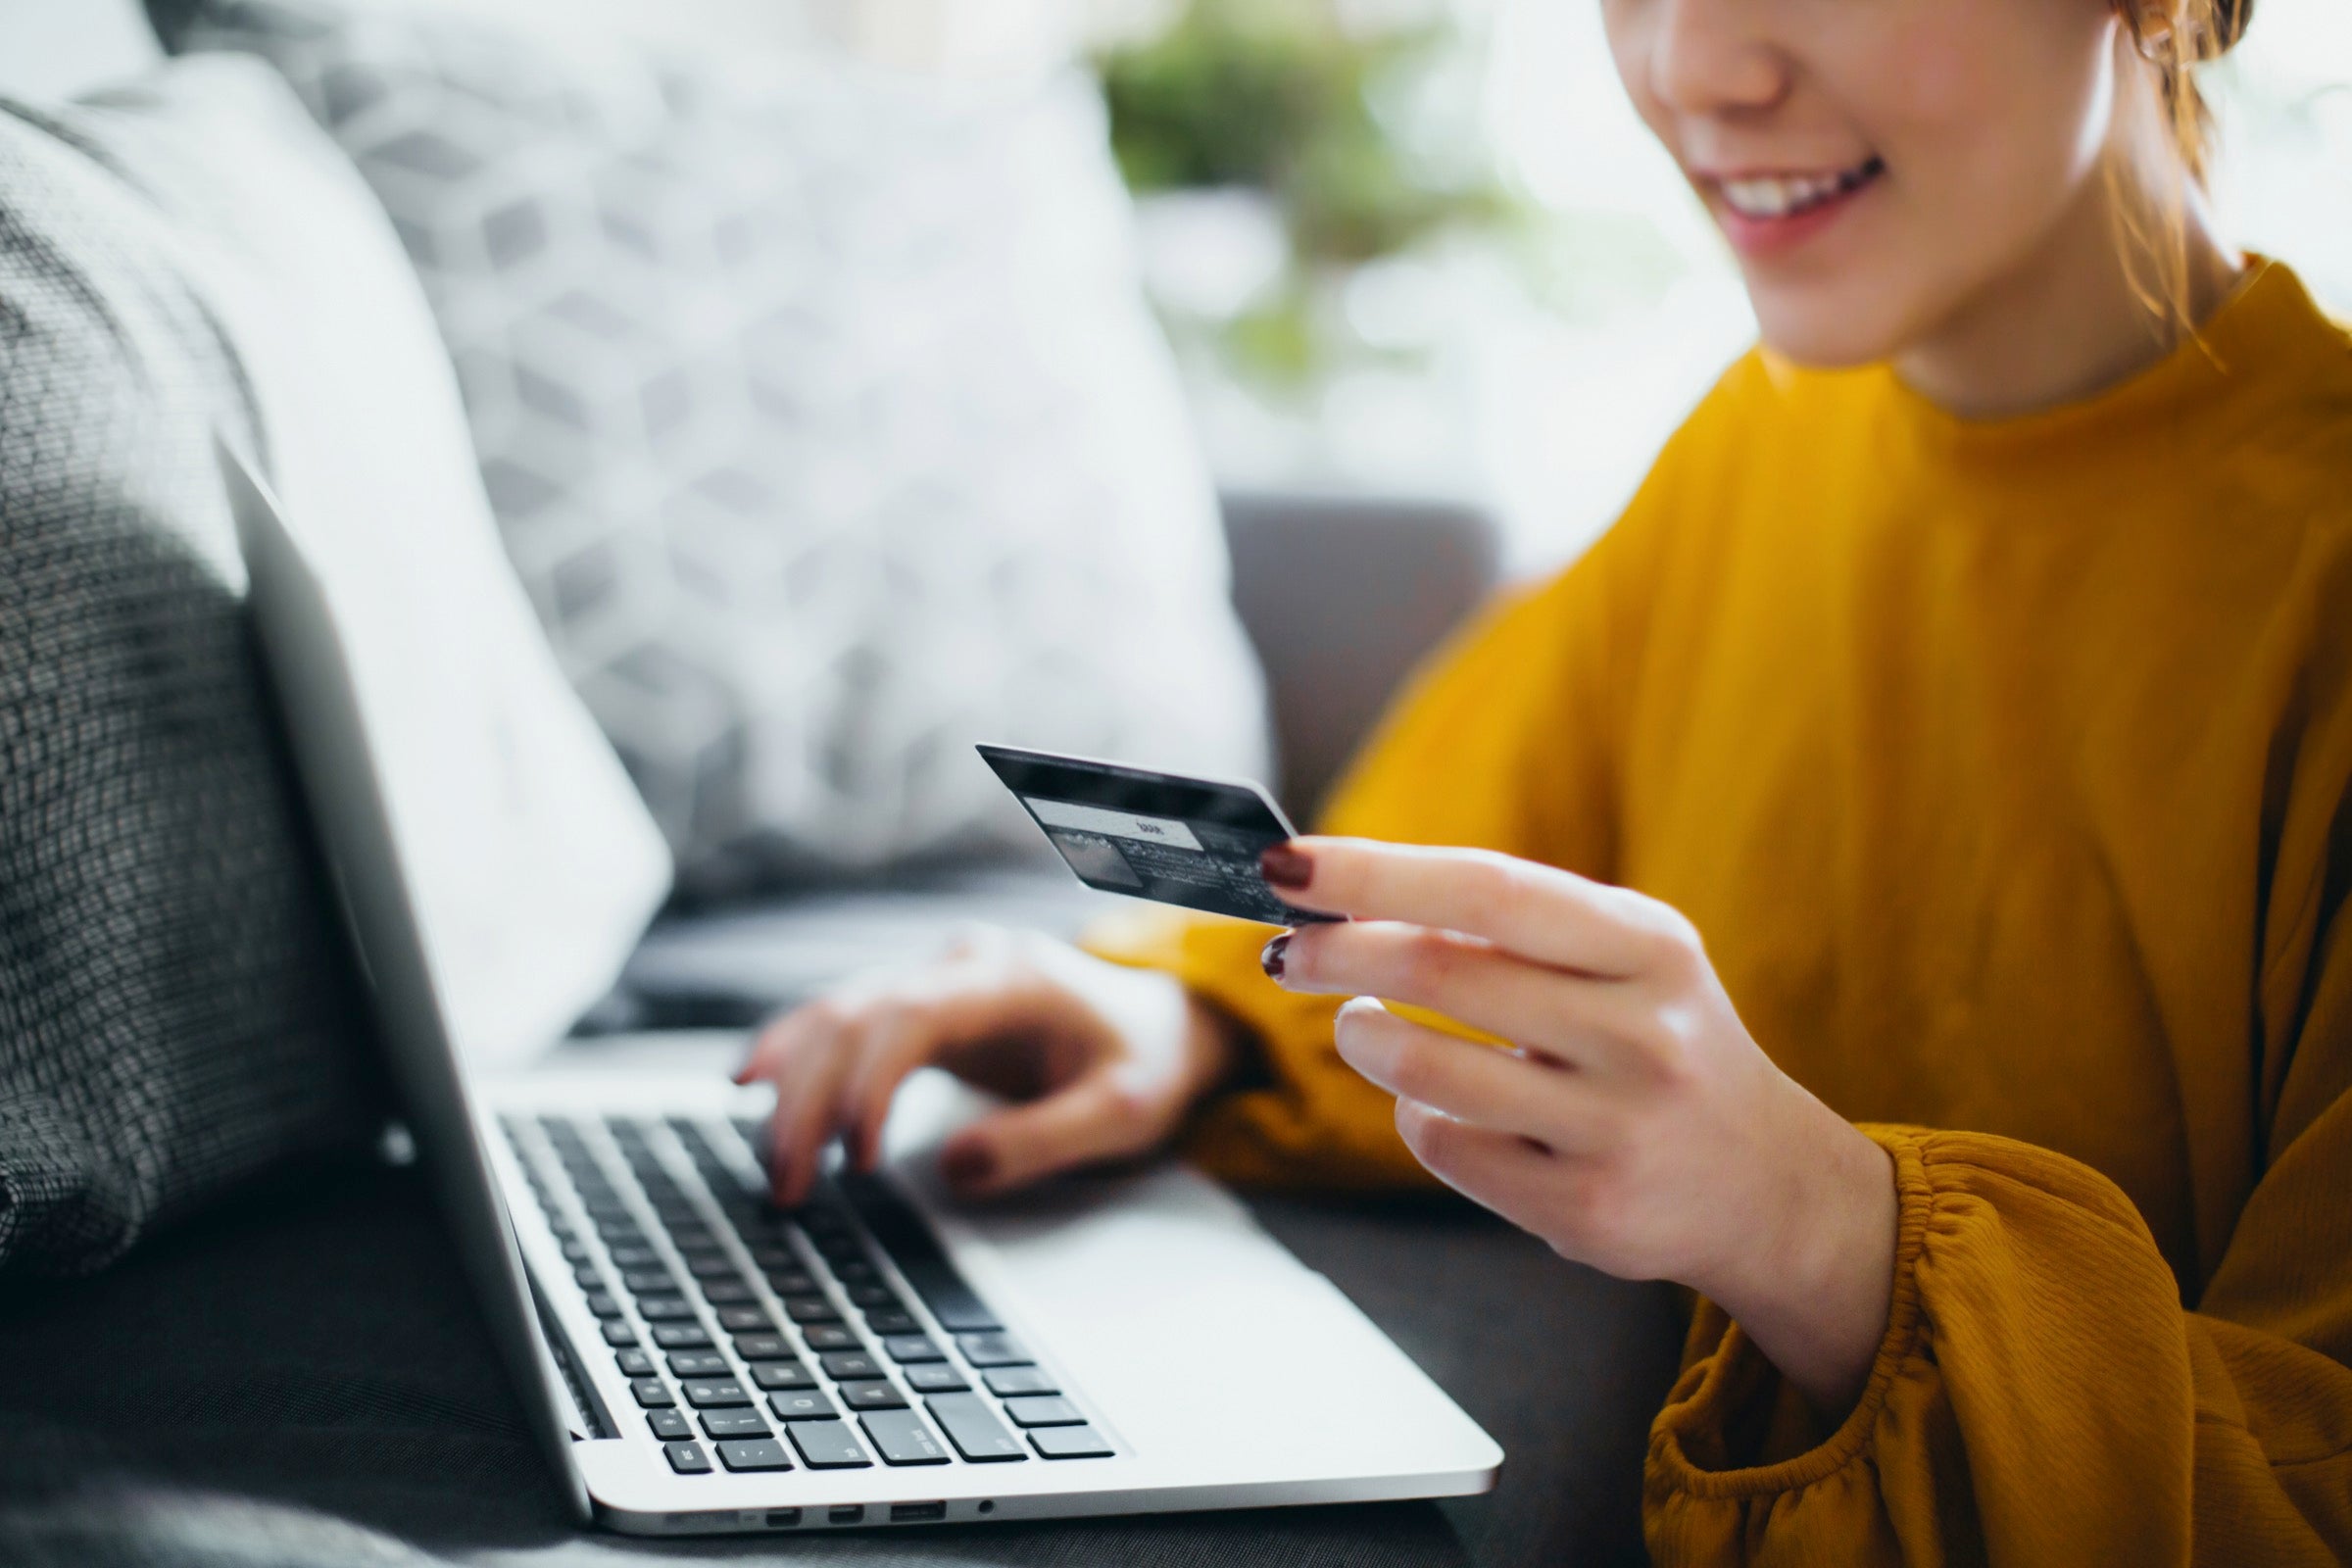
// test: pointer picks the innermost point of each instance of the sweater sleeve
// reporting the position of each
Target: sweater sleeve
(1502, 742)
(2041, 1395)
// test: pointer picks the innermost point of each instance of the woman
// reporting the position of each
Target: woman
(1973, 674)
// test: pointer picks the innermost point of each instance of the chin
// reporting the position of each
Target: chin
(1828, 328)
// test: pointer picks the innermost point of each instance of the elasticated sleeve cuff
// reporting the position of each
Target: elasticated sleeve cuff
(1298, 1116)
(1726, 1384)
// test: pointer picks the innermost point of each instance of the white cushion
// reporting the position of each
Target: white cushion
(535, 864)
(53, 49)
(823, 416)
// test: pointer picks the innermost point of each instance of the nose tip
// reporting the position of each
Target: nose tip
(1709, 56)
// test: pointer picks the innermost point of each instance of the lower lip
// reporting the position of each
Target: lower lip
(1772, 236)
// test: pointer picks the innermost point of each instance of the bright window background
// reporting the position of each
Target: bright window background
(1546, 398)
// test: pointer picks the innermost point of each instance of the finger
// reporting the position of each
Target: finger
(1496, 1171)
(914, 1038)
(1487, 1088)
(1092, 1120)
(1548, 915)
(809, 1064)
(1569, 1016)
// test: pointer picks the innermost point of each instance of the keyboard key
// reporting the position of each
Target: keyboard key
(746, 1320)
(634, 1364)
(1013, 1381)
(877, 1395)
(876, 1295)
(831, 1336)
(773, 1255)
(844, 1365)
(791, 1281)
(904, 1347)
(856, 1271)
(681, 1336)
(934, 1378)
(763, 1347)
(715, 1392)
(974, 1429)
(668, 1425)
(992, 1349)
(802, 1404)
(664, 1308)
(783, 1375)
(810, 1309)
(651, 1393)
(650, 1282)
(754, 1454)
(892, 1323)
(603, 1305)
(686, 1458)
(726, 1293)
(912, 1246)
(1070, 1443)
(693, 1239)
(827, 1445)
(635, 1258)
(1043, 1411)
(711, 1265)
(618, 1333)
(576, 1250)
(902, 1437)
(733, 1424)
(700, 1364)
(588, 1277)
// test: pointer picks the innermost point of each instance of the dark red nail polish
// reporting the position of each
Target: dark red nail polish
(967, 1167)
(1286, 867)
(1270, 956)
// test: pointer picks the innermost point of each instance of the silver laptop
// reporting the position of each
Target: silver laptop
(697, 1362)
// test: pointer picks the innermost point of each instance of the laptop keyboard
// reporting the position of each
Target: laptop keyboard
(756, 1338)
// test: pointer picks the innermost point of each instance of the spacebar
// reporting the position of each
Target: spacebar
(911, 1245)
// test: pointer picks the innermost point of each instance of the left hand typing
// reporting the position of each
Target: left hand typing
(1631, 1121)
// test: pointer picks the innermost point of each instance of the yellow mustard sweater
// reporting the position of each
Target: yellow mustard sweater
(2003, 767)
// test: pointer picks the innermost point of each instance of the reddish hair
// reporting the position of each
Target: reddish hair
(2175, 38)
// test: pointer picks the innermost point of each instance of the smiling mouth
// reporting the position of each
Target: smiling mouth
(1764, 197)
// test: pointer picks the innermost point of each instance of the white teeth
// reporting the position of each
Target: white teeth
(1781, 195)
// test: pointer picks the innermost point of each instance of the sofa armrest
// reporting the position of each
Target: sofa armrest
(1342, 595)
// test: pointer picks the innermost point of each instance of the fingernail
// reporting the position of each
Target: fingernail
(1270, 957)
(1287, 867)
(967, 1167)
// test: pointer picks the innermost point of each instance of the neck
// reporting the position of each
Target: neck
(2074, 319)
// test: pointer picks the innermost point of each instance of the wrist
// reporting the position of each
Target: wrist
(1816, 1300)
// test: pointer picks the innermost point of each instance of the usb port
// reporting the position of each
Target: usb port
(783, 1518)
(916, 1513)
(848, 1514)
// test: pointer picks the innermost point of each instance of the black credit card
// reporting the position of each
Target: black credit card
(1191, 842)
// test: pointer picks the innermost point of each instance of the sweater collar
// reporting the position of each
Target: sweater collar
(2258, 338)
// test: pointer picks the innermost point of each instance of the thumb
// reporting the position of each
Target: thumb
(1091, 1118)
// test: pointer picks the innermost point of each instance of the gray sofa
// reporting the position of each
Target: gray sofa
(300, 1378)
(299, 1375)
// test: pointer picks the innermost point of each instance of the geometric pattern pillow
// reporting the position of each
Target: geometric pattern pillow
(822, 416)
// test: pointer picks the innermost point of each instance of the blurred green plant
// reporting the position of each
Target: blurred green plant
(1280, 95)
(1283, 96)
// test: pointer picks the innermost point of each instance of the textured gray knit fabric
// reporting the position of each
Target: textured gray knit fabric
(175, 1006)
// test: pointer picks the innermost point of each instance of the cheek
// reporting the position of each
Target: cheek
(1990, 114)
(1629, 37)
(1996, 125)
